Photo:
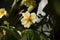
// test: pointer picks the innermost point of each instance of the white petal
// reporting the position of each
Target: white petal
(23, 21)
(33, 17)
(34, 20)
(5, 12)
(1, 16)
(41, 6)
(43, 13)
(26, 14)
(27, 25)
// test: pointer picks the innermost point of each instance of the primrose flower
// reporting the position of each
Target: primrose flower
(2, 12)
(28, 19)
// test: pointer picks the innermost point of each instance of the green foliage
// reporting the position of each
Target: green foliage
(33, 35)
(30, 35)
(11, 34)
(1, 35)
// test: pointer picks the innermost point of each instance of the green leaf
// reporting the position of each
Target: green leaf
(43, 37)
(11, 33)
(1, 35)
(30, 35)
(13, 5)
(30, 8)
(33, 35)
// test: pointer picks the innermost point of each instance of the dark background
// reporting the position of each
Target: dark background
(50, 8)
(53, 6)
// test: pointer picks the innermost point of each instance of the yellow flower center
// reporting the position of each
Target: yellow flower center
(28, 19)
(2, 12)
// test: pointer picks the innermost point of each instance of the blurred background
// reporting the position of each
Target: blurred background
(53, 7)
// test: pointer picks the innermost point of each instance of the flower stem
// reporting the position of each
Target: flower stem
(13, 5)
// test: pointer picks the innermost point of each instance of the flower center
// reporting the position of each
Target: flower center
(28, 19)
(1, 12)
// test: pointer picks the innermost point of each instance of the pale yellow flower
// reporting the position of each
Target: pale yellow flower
(2, 12)
(28, 19)
(4, 32)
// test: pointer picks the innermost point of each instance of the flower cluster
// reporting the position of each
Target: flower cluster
(28, 19)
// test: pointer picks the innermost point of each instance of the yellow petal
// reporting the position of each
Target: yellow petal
(2, 12)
